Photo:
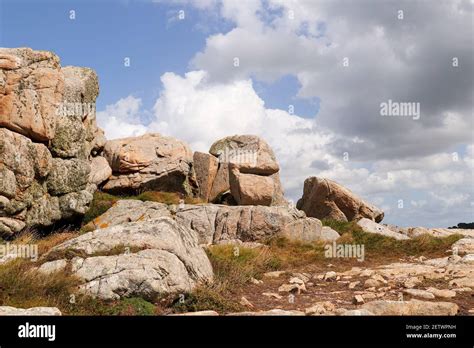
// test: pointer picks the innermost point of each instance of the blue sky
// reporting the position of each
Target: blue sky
(105, 32)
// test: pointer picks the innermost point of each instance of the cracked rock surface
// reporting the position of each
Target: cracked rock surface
(168, 259)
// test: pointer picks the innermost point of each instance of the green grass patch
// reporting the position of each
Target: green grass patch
(206, 297)
(131, 306)
(99, 205)
(20, 287)
(341, 227)
(23, 288)
(289, 254)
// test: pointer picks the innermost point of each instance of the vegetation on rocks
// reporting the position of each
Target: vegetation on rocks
(104, 201)
(378, 245)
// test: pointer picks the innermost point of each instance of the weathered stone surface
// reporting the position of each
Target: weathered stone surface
(464, 246)
(201, 219)
(42, 102)
(320, 308)
(70, 137)
(80, 85)
(248, 168)
(31, 88)
(420, 293)
(253, 223)
(76, 203)
(216, 223)
(34, 311)
(171, 260)
(129, 210)
(326, 199)
(9, 226)
(370, 226)
(205, 167)
(251, 154)
(307, 230)
(152, 161)
(100, 170)
(292, 288)
(250, 189)
(412, 307)
(81, 89)
(7, 182)
(445, 293)
(68, 176)
(43, 211)
(24, 158)
(53, 266)
(328, 234)
(221, 183)
(31, 164)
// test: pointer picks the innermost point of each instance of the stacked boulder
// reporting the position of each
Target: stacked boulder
(240, 170)
(149, 162)
(48, 140)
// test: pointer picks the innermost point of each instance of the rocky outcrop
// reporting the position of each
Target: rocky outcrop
(370, 226)
(100, 170)
(31, 87)
(435, 232)
(326, 199)
(220, 223)
(463, 246)
(154, 257)
(247, 171)
(150, 162)
(129, 210)
(48, 138)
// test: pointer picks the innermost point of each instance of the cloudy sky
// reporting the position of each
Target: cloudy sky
(308, 76)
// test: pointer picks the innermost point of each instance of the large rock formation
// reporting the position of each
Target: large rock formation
(145, 258)
(31, 87)
(247, 171)
(215, 223)
(150, 162)
(48, 137)
(326, 199)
